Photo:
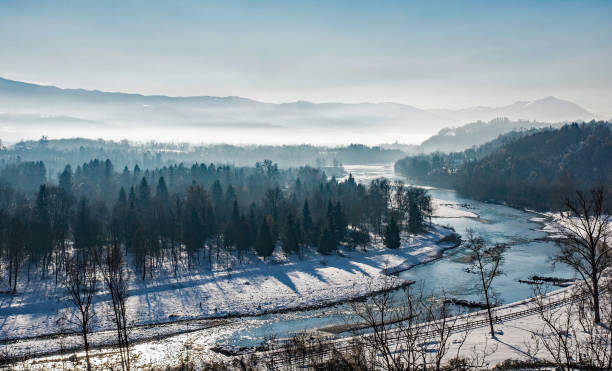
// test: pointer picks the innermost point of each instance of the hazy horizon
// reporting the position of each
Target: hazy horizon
(30, 111)
(424, 54)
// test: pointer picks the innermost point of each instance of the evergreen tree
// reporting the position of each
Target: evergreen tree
(252, 223)
(327, 241)
(65, 180)
(122, 200)
(392, 235)
(290, 235)
(125, 179)
(307, 224)
(161, 192)
(43, 238)
(217, 193)
(233, 227)
(85, 227)
(264, 244)
(243, 239)
(144, 192)
(339, 222)
(418, 205)
(235, 218)
(132, 197)
(230, 195)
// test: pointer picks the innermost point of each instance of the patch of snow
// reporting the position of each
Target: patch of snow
(448, 209)
(252, 287)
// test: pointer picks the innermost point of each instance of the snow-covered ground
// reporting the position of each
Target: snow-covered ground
(448, 209)
(553, 223)
(515, 339)
(249, 288)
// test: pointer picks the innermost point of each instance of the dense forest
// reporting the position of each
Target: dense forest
(535, 168)
(186, 215)
(58, 153)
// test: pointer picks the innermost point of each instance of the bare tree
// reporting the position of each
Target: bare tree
(555, 334)
(440, 326)
(393, 334)
(116, 282)
(568, 333)
(585, 231)
(409, 331)
(80, 283)
(484, 262)
(595, 338)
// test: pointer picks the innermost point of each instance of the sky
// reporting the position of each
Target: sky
(428, 54)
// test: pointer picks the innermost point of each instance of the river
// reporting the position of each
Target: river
(527, 255)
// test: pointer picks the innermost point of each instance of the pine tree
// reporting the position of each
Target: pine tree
(307, 225)
(415, 214)
(65, 179)
(144, 192)
(233, 228)
(290, 235)
(264, 244)
(392, 235)
(217, 193)
(339, 222)
(327, 242)
(252, 223)
(122, 200)
(243, 240)
(235, 215)
(43, 238)
(161, 192)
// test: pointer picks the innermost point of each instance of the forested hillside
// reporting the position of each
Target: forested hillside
(534, 169)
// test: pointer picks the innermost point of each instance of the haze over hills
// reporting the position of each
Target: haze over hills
(28, 109)
(549, 109)
(475, 133)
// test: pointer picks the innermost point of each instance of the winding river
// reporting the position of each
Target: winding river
(528, 254)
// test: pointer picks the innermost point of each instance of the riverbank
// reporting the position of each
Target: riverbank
(228, 289)
(518, 328)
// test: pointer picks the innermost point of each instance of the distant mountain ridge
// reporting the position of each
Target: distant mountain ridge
(549, 109)
(292, 122)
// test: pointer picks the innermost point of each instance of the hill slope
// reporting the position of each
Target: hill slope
(549, 109)
(475, 134)
(534, 169)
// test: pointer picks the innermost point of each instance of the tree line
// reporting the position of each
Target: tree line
(186, 216)
(56, 153)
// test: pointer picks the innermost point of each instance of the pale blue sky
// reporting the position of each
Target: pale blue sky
(428, 54)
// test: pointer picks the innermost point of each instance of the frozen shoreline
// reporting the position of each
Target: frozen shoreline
(252, 288)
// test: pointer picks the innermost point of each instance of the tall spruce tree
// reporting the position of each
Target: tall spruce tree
(290, 235)
(327, 240)
(307, 224)
(392, 235)
(264, 244)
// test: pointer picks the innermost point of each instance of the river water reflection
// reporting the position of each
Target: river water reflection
(527, 255)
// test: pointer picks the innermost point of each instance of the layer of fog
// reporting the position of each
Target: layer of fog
(29, 111)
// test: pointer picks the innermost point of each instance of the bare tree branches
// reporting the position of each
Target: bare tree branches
(80, 283)
(485, 263)
(116, 282)
(407, 332)
(585, 244)
(570, 336)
